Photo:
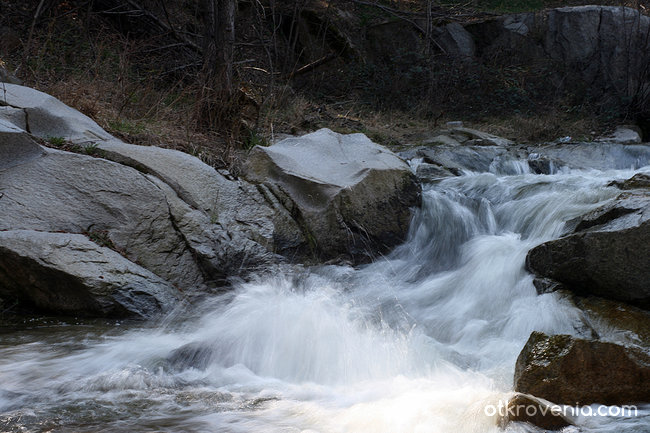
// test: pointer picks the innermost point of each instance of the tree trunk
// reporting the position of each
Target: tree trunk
(218, 52)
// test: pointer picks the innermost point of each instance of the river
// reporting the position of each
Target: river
(421, 340)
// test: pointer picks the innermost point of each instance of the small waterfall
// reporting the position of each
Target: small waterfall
(419, 341)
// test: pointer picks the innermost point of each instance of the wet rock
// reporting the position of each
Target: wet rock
(350, 196)
(70, 274)
(598, 156)
(459, 159)
(605, 255)
(546, 285)
(432, 173)
(192, 355)
(638, 181)
(474, 137)
(616, 320)
(539, 164)
(536, 411)
(568, 370)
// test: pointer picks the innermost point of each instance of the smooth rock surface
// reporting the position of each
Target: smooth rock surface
(49, 117)
(349, 195)
(64, 192)
(234, 204)
(68, 273)
(568, 370)
(16, 146)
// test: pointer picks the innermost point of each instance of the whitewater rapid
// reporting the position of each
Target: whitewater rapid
(421, 340)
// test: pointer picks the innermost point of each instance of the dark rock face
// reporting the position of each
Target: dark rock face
(68, 273)
(350, 196)
(567, 370)
(606, 255)
(526, 408)
(631, 325)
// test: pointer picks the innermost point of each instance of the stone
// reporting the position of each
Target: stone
(234, 204)
(220, 253)
(475, 137)
(572, 371)
(606, 44)
(595, 155)
(459, 159)
(456, 41)
(16, 146)
(431, 172)
(49, 117)
(638, 181)
(68, 273)
(441, 139)
(605, 254)
(623, 135)
(15, 116)
(536, 411)
(616, 320)
(350, 196)
(56, 191)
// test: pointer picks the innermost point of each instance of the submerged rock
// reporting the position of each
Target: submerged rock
(568, 370)
(68, 273)
(350, 196)
(606, 254)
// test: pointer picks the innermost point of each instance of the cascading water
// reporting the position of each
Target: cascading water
(419, 341)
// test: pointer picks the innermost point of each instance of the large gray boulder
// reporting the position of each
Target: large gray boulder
(235, 205)
(606, 254)
(350, 196)
(571, 371)
(68, 273)
(56, 191)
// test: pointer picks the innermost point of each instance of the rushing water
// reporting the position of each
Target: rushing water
(419, 341)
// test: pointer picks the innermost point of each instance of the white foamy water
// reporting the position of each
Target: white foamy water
(420, 341)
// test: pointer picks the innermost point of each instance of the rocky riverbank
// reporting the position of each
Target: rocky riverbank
(93, 226)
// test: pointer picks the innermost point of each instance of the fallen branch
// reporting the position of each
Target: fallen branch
(313, 65)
